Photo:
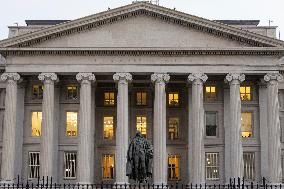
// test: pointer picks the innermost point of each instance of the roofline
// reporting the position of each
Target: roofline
(184, 17)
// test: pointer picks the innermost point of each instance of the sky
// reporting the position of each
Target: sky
(14, 12)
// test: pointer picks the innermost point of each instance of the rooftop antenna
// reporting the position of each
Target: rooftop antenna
(269, 22)
(155, 2)
(279, 36)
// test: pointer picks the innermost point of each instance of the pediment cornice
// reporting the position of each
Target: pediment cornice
(141, 9)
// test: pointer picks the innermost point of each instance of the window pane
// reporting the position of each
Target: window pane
(36, 123)
(72, 93)
(246, 121)
(210, 93)
(37, 92)
(34, 164)
(141, 125)
(173, 128)
(173, 167)
(109, 98)
(108, 128)
(245, 92)
(211, 123)
(71, 123)
(70, 162)
(141, 98)
(249, 168)
(108, 166)
(173, 99)
(212, 166)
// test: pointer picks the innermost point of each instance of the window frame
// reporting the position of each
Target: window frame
(178, 99)
(178, 128)
(33, 165)
(251, 93)
(252, 124)
(72, 111)
(31, 127)
(65, 167)
(38, 97)
(178, 157)
(113, 128)
(217, 121)
(253, 166)
(109, 99)
(146, 98)
(146, 129)
(216, 166)
(211, 99)
(102, 166)
(77, 92)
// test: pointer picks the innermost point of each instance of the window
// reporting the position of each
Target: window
(173, 128)
(71, 123)
(109, 98)
(70, 162)
(36, 123)
(210, 93)
(246, 121)
(249, 168)
(108, 128)
(141, 98)
(72, 92)
(212, 166)
(37, 93)
(173, 167)
(211, 123)
(34, 165)
(141, 125)
(174, 99)
(108, 166)
(245, 93)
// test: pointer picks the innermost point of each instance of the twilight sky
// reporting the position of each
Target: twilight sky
(17, 11)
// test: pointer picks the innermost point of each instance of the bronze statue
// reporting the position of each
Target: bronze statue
(139, 159)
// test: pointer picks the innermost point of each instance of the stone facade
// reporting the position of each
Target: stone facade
(148, 48)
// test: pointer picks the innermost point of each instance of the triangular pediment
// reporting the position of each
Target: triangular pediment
(141, 25)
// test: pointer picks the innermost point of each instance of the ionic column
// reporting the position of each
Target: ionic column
(12, 129)
(274, 174)
(233, 137)
(49, 137)
(160, 129)
(122, 128)
(196, 141)
(86, 130)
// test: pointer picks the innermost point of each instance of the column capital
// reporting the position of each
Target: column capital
(85, 76)
(10, 76)
(47, 77)
(122, 77)
(160, 77)
(235, 76)
(273, 77)
(197, 77)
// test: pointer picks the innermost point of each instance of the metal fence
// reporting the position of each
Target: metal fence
(47, 183)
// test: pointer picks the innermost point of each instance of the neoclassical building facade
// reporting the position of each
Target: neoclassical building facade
(209, 95)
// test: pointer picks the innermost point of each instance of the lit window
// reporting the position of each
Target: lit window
(72, 93)
(210, 93)
(141, 125)
(36, 123)
(37, 93)
(173, 128)
(173, 99)
(34, 164)
(108, 166)
(70, 162)
(108, 128)
(109, 98)
(249, 168)
(141, 98)
(211, 123)
(173, 167)
(212, 166)
(245, 93)
(246, 121)
(71, 123)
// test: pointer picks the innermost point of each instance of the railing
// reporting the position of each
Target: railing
(47, 183)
